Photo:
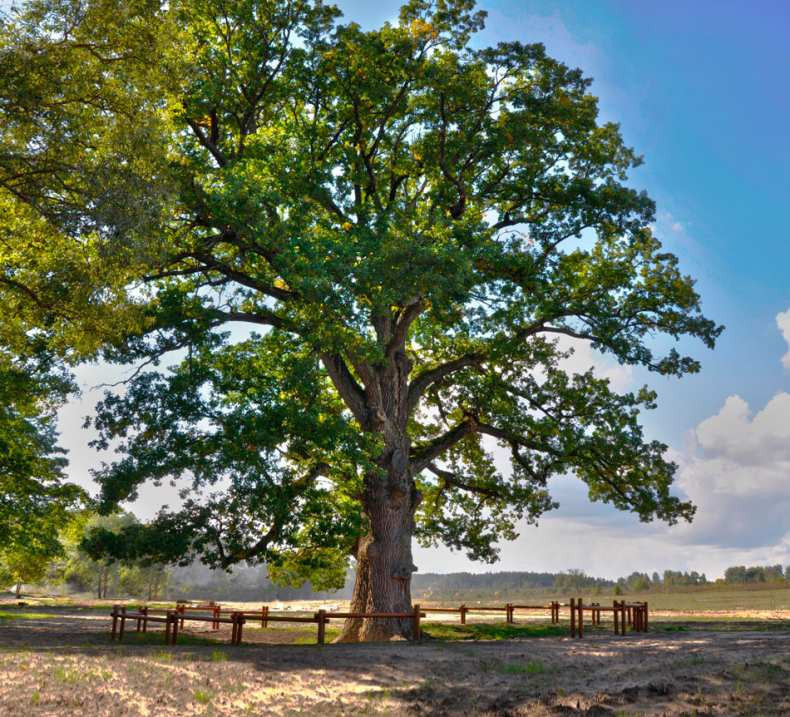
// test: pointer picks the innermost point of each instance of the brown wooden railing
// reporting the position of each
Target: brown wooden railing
(634, 615)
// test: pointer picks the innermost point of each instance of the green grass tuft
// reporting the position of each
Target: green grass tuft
(490, 631)
(311, 638)
(202, 696)
(66, 676)
(533, 667)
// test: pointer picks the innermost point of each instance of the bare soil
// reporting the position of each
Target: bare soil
(64, 665)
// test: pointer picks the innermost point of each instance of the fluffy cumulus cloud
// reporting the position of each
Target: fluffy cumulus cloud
(736, 468)
(783, 322)
(737, 471)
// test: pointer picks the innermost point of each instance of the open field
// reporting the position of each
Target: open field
(58, 661)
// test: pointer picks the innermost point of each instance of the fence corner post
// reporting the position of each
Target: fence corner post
(174, 633)
(416, 623)
(241, 620)
(114, 615)
(320, 616)
(573, 617)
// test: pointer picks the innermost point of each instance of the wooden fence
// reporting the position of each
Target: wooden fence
(174, 619)
(635, 615)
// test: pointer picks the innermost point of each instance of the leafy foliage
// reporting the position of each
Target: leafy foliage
(90, 566)
(34, 499)
(412, 221)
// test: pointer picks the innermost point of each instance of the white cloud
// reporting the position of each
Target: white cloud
(783, 322)
(737, 472)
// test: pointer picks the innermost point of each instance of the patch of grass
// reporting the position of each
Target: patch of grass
(532, 667)
(163, 656)
(218, 656)
(19, 615)
(490, 631)
(66, 676)
(758, 672)
(672, 628)
(202, 696)
(35, 698)
(691, 661)
(311, 638)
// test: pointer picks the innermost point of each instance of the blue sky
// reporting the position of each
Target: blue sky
(701, 90)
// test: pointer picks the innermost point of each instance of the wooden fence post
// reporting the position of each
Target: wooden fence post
(622, 617)
(416, 623)
(216, 610)
(123, 623)
(463, 610)
(573, 617)
(509, 613)
(645, 616)
(580, 608)
(174, 633)
(321, 617)
(145, 619)
(168, 626)
(240, 619)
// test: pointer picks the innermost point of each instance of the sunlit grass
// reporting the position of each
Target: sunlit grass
(490, 631)
(15, 615)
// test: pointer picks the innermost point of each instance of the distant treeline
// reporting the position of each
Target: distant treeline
(247, 583)
(756, 574)
(252, 584)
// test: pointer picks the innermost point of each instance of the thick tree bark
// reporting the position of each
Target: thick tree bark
(18, 590)
(384, 558)
(384, 562)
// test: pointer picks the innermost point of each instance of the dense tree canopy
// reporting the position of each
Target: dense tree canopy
(405, 224)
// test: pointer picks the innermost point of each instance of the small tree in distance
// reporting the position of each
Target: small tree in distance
(403, 222)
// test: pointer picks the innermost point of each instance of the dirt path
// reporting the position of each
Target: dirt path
(63, 666)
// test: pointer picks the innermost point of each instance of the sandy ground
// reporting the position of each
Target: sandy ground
(64, 665)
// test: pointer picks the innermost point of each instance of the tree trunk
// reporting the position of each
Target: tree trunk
(18, 590)
(383, 555)
(384, 561)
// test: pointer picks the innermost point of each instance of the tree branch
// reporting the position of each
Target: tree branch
(452, 479)
(350, 391)
(407, 316)
(423, 381)
(422, 456)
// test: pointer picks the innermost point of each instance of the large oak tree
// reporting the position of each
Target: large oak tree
(411, 227)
